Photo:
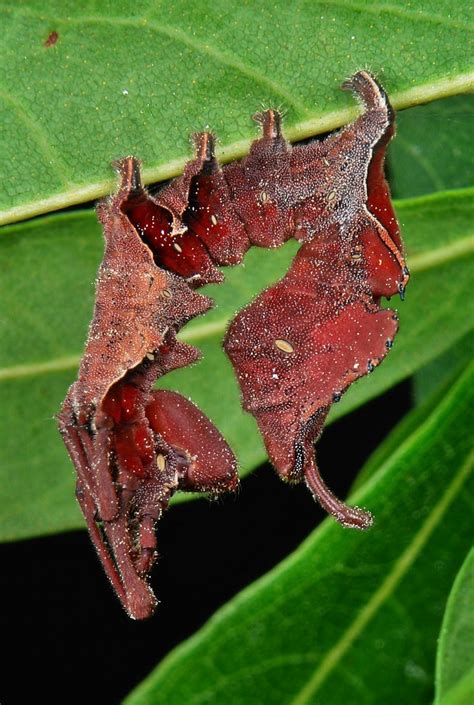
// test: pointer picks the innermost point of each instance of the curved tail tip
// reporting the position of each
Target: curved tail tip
(354, 518)
(351, 517)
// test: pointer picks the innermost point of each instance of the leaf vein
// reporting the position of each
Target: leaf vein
(50, 154)
(176, 34)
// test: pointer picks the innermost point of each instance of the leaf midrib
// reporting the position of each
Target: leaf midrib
(387, 588)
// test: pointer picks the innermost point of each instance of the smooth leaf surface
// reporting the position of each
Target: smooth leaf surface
(348, 617)
(442, 368)
(126, 77)
(433, 149)
(433, 152)
(406, 427)
(455, 663)
(462, 693)
(49, 267)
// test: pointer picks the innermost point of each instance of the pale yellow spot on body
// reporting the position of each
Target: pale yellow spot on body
(284, 346)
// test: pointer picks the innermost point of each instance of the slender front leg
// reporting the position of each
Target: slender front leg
(89, 511)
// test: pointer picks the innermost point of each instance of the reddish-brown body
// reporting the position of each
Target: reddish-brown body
(295, 349)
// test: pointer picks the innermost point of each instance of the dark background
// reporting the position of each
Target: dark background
(65, 638)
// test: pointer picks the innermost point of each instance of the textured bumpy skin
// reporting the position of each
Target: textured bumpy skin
(295, 349)
(133, 447)
(304, 340)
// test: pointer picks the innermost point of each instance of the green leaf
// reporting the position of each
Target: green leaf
(127, 78)
(454, 663)
(433, 152)
(48, 270)
(433, 149)
(348, 617)
(406, 427)
(435, 374)
(462, 692)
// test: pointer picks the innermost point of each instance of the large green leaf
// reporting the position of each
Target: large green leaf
(455, 658)
(48, 269)
(348, 617)
(126, 77)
